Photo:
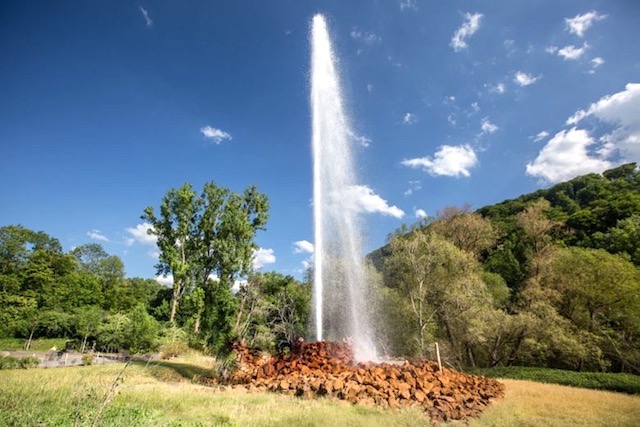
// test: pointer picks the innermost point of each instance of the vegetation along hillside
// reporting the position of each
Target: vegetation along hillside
(548, 279)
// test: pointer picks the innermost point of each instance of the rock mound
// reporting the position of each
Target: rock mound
(328, 369)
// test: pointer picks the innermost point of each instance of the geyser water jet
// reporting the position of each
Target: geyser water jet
(339, 296)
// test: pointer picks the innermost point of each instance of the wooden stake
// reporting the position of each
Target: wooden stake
(438, 354)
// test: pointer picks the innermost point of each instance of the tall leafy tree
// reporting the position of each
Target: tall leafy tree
(202, 235)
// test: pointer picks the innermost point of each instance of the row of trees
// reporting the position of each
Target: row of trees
(206, 244)
(521, 296)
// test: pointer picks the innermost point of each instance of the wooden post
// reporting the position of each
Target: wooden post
(438, 355)
(66, 357)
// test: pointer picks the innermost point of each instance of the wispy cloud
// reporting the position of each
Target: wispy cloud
(498, 88)
(409, 119)
(140, 234)
(572, 53)
(364, 199)
(97, 235)
(360, 139)
(468, 28)
(408, 5)
(448, 160)
(487, 127)
(596, 63)
(366, 37)
(303, 246)
(413, 187)
(540, 136)
(581, 23)
(524, 79)
(262, 257)
(216, 135)
(145, 15)
(369, 87)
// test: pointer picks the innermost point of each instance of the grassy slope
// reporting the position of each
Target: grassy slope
(163, 395)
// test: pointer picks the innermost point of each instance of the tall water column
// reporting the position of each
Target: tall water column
(339, 294)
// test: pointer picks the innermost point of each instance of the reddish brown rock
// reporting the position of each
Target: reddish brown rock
(328, 369)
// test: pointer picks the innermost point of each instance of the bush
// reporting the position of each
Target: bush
(174, 342)
(626, 383)
(10, 362)
(87, 359)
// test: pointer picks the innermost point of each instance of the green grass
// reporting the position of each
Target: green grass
(164, 393)
(40, 344)
(626, 383)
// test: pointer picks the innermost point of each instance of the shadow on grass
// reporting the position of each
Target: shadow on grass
(169, 371)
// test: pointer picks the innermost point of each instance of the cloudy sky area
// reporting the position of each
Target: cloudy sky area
(106, 106)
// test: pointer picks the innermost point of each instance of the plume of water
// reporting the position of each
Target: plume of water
(339, 276)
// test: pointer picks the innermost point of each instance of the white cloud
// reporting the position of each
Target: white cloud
(551, 49)
(216, 135)
(408, 4)
(262, 256)
(420, 213)
(572, 53)
(97, 235)
(145, 15)
(596, 63)
(621, 110)
(487, 126)
(540, 136)
(361, 139)
(154, 254)
(475, 107)
(499, 88)
(414, 186)
(409, 119)
(140, 234)
(367, 37)
(468, 28)
(364, 199)
(447, 161)
(566, 156)
(165, 280)
(581, 23)
(451, 118)
(524, 79)
(369, 87)
(303, 246)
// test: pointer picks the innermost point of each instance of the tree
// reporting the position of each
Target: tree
(87, 321)
(467, 230)
(202, 235)
(443, 286)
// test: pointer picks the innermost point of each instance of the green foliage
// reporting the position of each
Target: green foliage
(626, 383)
(271, 308)
(202, 235)
(10, 362)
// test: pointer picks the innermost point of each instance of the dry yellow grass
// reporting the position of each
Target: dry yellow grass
(528, 403)
(163, 395)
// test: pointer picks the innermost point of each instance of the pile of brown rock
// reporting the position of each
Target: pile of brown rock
(328, 369)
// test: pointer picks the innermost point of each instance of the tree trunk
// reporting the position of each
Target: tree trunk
(28, 345)
(84, 343)
(174, 303)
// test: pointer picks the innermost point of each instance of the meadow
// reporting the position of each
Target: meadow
(161, 393)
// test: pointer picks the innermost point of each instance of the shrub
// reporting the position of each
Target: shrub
(87, 359)
(10, 362)
(626, 383)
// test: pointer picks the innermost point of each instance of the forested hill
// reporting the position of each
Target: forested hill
(598, 211)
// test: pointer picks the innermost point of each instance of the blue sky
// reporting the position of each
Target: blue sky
(104, 106)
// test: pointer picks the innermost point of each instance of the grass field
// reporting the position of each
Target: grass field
(162, 394)
(626, 383)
